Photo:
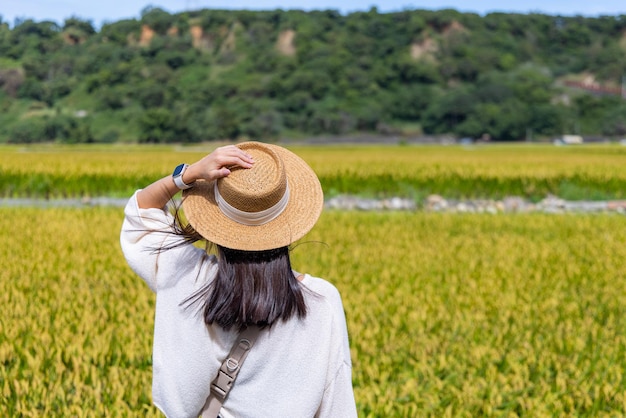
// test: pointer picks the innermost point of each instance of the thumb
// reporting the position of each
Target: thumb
(223, 172)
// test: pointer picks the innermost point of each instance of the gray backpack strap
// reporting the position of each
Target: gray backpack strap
(228, 372)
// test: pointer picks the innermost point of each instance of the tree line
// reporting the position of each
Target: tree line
(215, 74)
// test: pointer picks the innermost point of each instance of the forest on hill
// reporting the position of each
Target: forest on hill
(215, 74)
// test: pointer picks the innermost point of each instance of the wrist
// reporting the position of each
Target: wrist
(192, 174)
(189, 176)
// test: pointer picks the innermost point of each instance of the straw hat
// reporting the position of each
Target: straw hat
(270, 205)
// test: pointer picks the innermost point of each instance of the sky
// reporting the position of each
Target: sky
(102, 11)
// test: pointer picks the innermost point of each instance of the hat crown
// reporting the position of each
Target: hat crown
(258, 188)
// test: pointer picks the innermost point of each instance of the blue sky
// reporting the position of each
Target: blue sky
(111, 10)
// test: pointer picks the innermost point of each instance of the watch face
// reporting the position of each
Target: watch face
(178, 170)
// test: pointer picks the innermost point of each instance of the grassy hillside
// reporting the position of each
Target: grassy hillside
(215, 74)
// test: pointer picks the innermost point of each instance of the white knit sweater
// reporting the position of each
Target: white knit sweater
(299, 368)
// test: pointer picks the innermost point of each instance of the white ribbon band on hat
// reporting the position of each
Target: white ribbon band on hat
(251, 218)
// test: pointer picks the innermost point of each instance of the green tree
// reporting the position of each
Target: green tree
(158, 125)
(157, 19)
(27, 131)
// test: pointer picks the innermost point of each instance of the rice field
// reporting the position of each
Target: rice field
(449, 315)
(496, 171)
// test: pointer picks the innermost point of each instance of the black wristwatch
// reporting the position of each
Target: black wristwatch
(177, 176)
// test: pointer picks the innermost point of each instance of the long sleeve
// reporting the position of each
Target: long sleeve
(338, 400)
(145, 232)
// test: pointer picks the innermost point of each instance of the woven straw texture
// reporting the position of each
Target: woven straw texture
(253, 190)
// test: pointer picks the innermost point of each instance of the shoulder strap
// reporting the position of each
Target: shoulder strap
(228, 372)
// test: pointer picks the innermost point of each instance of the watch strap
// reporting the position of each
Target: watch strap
(177, 176)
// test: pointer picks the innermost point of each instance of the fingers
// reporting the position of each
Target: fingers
(230, 156)
(218, 163)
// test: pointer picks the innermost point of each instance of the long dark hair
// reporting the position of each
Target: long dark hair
(251, 288)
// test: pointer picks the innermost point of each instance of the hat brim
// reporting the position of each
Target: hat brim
(306, 201)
